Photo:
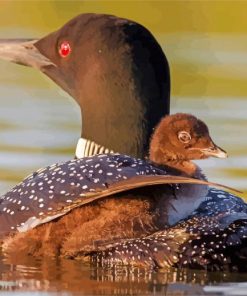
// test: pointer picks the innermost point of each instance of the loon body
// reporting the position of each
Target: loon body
(63, 210)
(214, 238)
(117, 64)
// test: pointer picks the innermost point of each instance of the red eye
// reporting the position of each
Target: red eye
(64, 49)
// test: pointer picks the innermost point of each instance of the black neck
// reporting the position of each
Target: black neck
(123, 125)
(124, 100)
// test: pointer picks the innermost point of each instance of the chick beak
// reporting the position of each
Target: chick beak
(214, 151)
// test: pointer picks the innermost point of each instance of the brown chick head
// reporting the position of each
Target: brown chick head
(182, 137)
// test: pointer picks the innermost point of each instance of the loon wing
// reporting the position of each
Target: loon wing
(143, 181)
(28, 217)
(53, 191)
(111, 189)
(9, 218)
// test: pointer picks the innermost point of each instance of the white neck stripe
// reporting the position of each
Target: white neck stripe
(86, 148)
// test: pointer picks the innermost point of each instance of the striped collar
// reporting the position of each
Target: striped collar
(86, 148)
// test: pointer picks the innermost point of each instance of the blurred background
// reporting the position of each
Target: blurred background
(206, 46)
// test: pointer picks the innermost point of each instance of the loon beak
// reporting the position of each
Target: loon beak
(214, 151)
(23, 52)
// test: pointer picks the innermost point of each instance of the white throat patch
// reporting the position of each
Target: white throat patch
(86, 148)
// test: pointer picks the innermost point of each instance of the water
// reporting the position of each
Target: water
(72, 278)
(40, 125)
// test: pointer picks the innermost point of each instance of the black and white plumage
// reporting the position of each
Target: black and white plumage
(214, 237)
(53, 191)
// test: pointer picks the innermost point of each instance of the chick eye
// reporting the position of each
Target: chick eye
(64, 49)
(184, 137)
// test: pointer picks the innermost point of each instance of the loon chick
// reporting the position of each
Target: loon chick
(57, 210)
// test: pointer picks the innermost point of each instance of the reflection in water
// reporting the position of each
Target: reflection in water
(73, 277)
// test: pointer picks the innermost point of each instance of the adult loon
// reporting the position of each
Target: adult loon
(117, 64)
(47, 210)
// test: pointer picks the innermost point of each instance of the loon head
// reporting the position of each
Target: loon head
(113, 68)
